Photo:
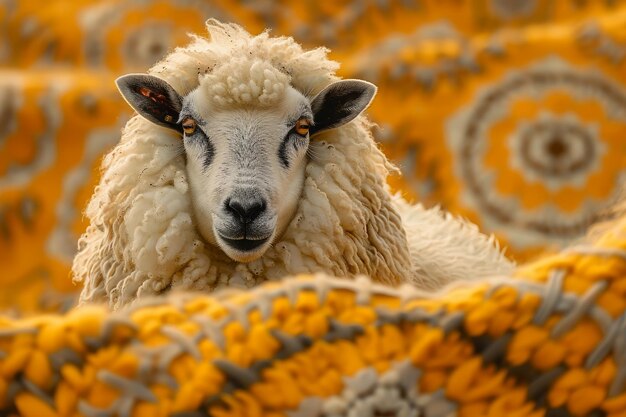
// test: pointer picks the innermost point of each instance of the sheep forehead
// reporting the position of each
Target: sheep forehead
(247, 81)
(291, 106)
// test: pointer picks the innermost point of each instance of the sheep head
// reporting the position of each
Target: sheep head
(245, 131)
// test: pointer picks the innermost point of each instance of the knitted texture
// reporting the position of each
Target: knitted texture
(548, 341)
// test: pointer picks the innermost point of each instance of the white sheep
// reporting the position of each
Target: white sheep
(250, 161)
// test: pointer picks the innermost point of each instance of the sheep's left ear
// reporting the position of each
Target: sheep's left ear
(152, 98)
(340, 103)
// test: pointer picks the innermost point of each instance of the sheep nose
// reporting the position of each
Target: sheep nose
(246, 211)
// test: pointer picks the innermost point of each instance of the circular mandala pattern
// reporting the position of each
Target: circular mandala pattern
(147, 44)
(40, 197)
(136, 35)
(540, 150)
(557, 151)
(29, 120)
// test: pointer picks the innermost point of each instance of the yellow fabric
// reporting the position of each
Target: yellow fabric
(272, 350)
(502, 96)
(433, 61)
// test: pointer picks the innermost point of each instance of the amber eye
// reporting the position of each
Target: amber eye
(302, 127)
(189, 126)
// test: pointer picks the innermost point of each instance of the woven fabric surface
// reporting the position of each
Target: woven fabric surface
(519, 131)
(549, 341)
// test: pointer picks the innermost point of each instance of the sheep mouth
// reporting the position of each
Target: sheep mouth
(244, 245)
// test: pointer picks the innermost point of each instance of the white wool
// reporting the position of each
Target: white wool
(142, 239)
(245, 81)
(445, 248)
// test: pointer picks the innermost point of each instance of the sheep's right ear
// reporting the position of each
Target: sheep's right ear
(152, 98)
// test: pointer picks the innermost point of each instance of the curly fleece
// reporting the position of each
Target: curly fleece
(142, 239)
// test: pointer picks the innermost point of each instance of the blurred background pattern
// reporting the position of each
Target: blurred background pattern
(511, 113)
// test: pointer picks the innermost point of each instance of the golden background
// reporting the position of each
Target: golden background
(511, 113)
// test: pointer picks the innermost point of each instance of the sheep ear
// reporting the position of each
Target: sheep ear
(340, 103)
(152, 98)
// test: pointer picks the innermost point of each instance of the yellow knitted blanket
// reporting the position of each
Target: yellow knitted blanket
(550, 341)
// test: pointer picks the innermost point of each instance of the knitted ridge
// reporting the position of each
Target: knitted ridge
(548, 342)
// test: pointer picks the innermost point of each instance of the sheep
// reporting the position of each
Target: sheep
(250, 160)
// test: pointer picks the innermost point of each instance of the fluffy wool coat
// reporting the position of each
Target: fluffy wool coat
(142, 238)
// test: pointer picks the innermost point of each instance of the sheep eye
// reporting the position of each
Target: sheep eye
(189, 126)
(302, 127)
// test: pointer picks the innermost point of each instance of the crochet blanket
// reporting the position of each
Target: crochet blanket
(548, 341)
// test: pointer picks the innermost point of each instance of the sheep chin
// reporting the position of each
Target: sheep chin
(244, 250)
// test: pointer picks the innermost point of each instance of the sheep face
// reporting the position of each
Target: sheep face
(245, 166)
(246, 158)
